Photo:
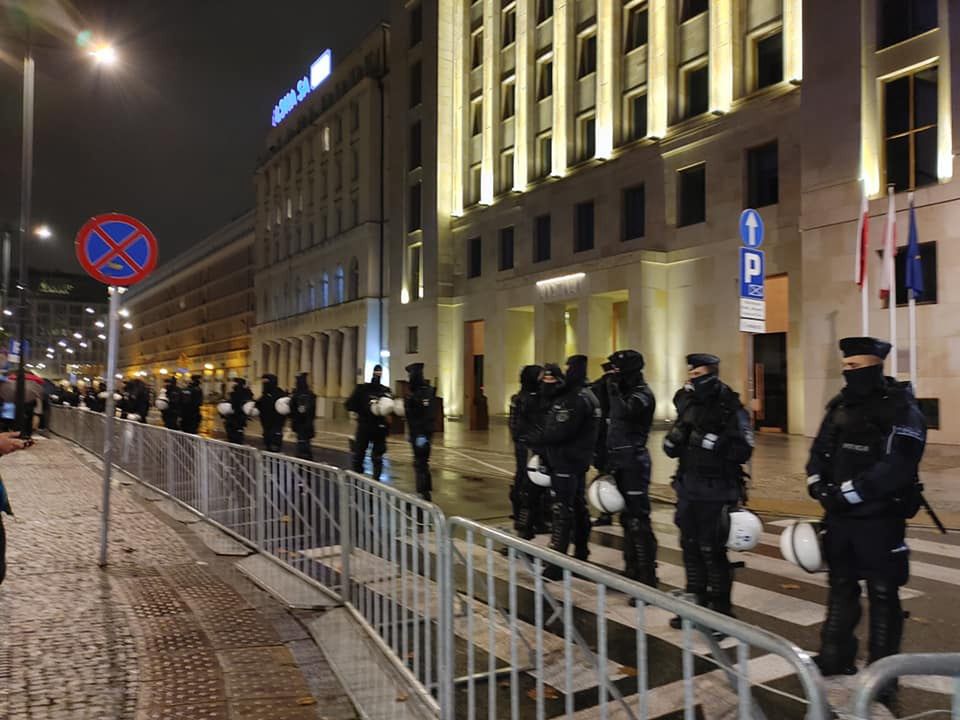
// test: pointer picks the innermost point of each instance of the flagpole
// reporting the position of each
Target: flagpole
(865, 304)
(890, 265)
(912, 304)
(863, 265)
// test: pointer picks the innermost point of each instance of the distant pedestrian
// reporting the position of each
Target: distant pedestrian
(372, 427)
(191, 402)
(303, 413)
(235, 420)
(419, 408)
(270, 420)
(9, 442)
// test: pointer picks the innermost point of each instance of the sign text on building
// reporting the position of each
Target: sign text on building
(319, 71)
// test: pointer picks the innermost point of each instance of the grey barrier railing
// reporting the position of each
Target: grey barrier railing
(458, 606)
(880, 674)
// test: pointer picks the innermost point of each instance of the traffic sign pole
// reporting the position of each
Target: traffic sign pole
(753, 312)
(112, 338)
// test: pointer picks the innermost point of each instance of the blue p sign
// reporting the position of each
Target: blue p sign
(751, 274)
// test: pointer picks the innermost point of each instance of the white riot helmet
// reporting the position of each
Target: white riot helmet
(385, 405)
(399, 409)
(250, 409)
(225, 409)
(374, 406)
(743, 529)
(537, 472)
(282, 406)
(162, 403)
(133, 417)
(802, 544)
(605, 496)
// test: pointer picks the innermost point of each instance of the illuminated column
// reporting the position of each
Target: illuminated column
(348, 364)
(491, 96)
(333, 363)
(319, 366)
(525, 94)
(721, 55)
(306, 350)
(293, 366)
(944, 109)
(658, 69)
(607, 45)
(793, 40)
(283, 361)
(562, 66)
(460, 109)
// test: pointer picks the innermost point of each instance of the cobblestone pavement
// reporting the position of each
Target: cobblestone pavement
(168, 631)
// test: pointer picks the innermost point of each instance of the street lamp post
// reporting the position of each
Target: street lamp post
(25, 419)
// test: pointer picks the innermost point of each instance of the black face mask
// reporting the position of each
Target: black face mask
(705, 385)
(863, 381)
(551, 389)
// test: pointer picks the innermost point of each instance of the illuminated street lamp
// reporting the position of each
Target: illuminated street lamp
(104, 55)
(43, 232)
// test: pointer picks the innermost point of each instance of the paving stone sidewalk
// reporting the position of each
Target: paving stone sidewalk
(168, 631)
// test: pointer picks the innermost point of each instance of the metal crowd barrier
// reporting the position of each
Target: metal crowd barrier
(880, 673)
(454, 614)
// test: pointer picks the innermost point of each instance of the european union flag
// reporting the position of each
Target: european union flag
(914, 267)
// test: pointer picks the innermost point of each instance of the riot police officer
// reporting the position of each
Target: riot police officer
(419, 409)
(236, 421)
(169, 404)
(271, 421)
(599, 388)
(568, 438)
(137, 401)
(712, 439)
(191, 400)
(525, 416)
(303, 413)
(372, 428)
(863, 471)
(632, 405)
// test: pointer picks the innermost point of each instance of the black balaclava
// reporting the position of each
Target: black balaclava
(195, 380)
(415, 375)
(552, 389)
(706, 385)
(576, 370)
(530, 378)
(302, 386)
(377, 374)
(269, 383)
(866, 380)
(629, 365)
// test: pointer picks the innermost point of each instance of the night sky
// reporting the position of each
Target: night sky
(171, 135)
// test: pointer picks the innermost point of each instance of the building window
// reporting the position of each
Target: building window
(506, 171)
(325, 290)
(476, 116)
(634, 212)
(769, 60)
(541, 238)
(509, 98)
(586, 55)
(475, 181)
(289, 207)
(696, 85)
(474, 257)
(691, 8)
(637, 107)
(416, 83)
(692, 195)
(354, 116)
(341, 294)
(910, 129)
(476, 53)
(325, 138)
(337, 173)
(416, 145)
(414, 214)
(508, 32)
(413, 339)
(587, 137)
(928, 265)
(353, 286)
(763, 176)
(416, 271)
(505, 261)
(636, 27)
(930, 407)
(355, 210)
(323, 226)
(903, 19)
(544, 79)
(544, 10)
(544, 155)
(339, 218)
(355, 162)
(583, 227)
(338, 129)
(416, 25)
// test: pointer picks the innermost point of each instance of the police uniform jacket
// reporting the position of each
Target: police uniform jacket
(303, 411)
(419, 410)
(239, 397)
(360, 400)
(569, 434)
(631, 414)
(266, 404)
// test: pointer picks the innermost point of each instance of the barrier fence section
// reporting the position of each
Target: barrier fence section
(877, 676)
(457, 605)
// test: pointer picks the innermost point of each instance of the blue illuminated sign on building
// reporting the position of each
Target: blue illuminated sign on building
(319, 71)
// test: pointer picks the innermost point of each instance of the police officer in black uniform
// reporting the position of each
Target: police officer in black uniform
(863, 470)
(303, 413)
(171, 414)
(138, 401)
(270, 420)
(236, 422)
(599, 388)
(712, 439)
(191, 400)
(568, 439)
(419, 410)
(372, 427)
(525, 416)
(632, 405)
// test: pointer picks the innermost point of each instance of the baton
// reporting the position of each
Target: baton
(932, 514)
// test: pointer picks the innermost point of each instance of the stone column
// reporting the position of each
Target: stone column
(294, 366)
(306, 358)
(348, 364)
(319, 368)
(333, 363)
(283, 362)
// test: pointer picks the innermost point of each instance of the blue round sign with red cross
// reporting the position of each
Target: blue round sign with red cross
(116, 249)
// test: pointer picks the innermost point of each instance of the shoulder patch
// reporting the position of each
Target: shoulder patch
(910, 432)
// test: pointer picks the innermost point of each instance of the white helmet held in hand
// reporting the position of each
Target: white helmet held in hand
(385, 406)
(133, 417)
(605, 496)
(250, 409)
(802, 544)
(225, 409)
(162, 403)
(399, 409)
(537, 472)
(374, 406)
(282, 405)
(744, 530)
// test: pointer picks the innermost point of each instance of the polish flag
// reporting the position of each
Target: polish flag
(863, 227)
(889, 249)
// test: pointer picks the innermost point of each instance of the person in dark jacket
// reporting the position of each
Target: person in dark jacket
(270, 420)
(568, 439)
(419, 409)
(303, 413)
(137, 401)
(863, 469)
(372, 426)
(169, 404)
(712, 439)
(599, 388)
(526, 415)
(191, 402)
(632, 406)
(236, 422)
